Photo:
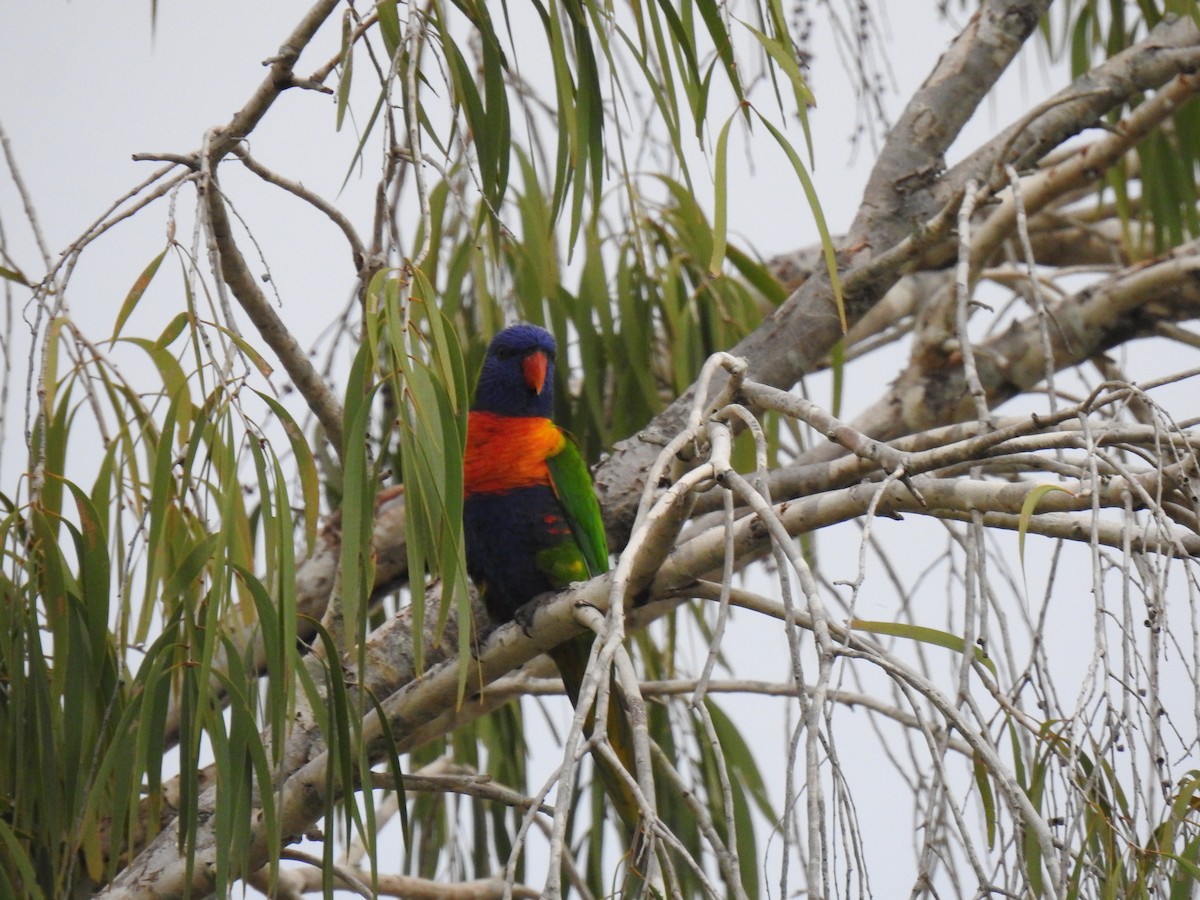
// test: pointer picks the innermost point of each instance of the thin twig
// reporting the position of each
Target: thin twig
(964, 283)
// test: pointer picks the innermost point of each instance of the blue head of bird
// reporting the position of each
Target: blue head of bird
(518, 373)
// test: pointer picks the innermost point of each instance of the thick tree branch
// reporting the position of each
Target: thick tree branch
(1172, 48)
(1128, 304)
(954, 498)
(1086, 166)
(903, 214)
(801, 332)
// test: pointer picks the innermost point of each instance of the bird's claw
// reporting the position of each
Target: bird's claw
(524, 617)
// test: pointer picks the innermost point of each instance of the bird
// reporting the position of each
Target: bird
(531, 519)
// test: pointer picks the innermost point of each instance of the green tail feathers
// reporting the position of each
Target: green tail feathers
(571, 658)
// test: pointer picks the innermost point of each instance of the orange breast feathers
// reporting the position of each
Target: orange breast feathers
(508, 452)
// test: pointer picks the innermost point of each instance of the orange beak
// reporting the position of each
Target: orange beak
(534, 367)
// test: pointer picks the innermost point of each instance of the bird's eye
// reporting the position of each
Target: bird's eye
(504, 352)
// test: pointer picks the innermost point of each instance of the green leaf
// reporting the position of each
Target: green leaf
(685, 50)
(136, 292)
(837, 366)
(360, 483)
(1032, 499)
(366, 135)
(16, 855)
(189, 569)
(720, 201)
(710, 12)
(50, 364)
(814, 204)
(14, 275)
(923, 635)
(757, 274)
(346, 58)
(389, 25)
(173, 330)
(256, 358)
(94, 572)
(306, 465)
(987, 799)
(787, 62)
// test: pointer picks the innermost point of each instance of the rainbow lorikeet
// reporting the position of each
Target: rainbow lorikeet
(530, 517)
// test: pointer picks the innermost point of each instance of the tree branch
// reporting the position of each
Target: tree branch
(316, 392)
(898, 195)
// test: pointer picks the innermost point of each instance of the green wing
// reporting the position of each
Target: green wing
(572, 483)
